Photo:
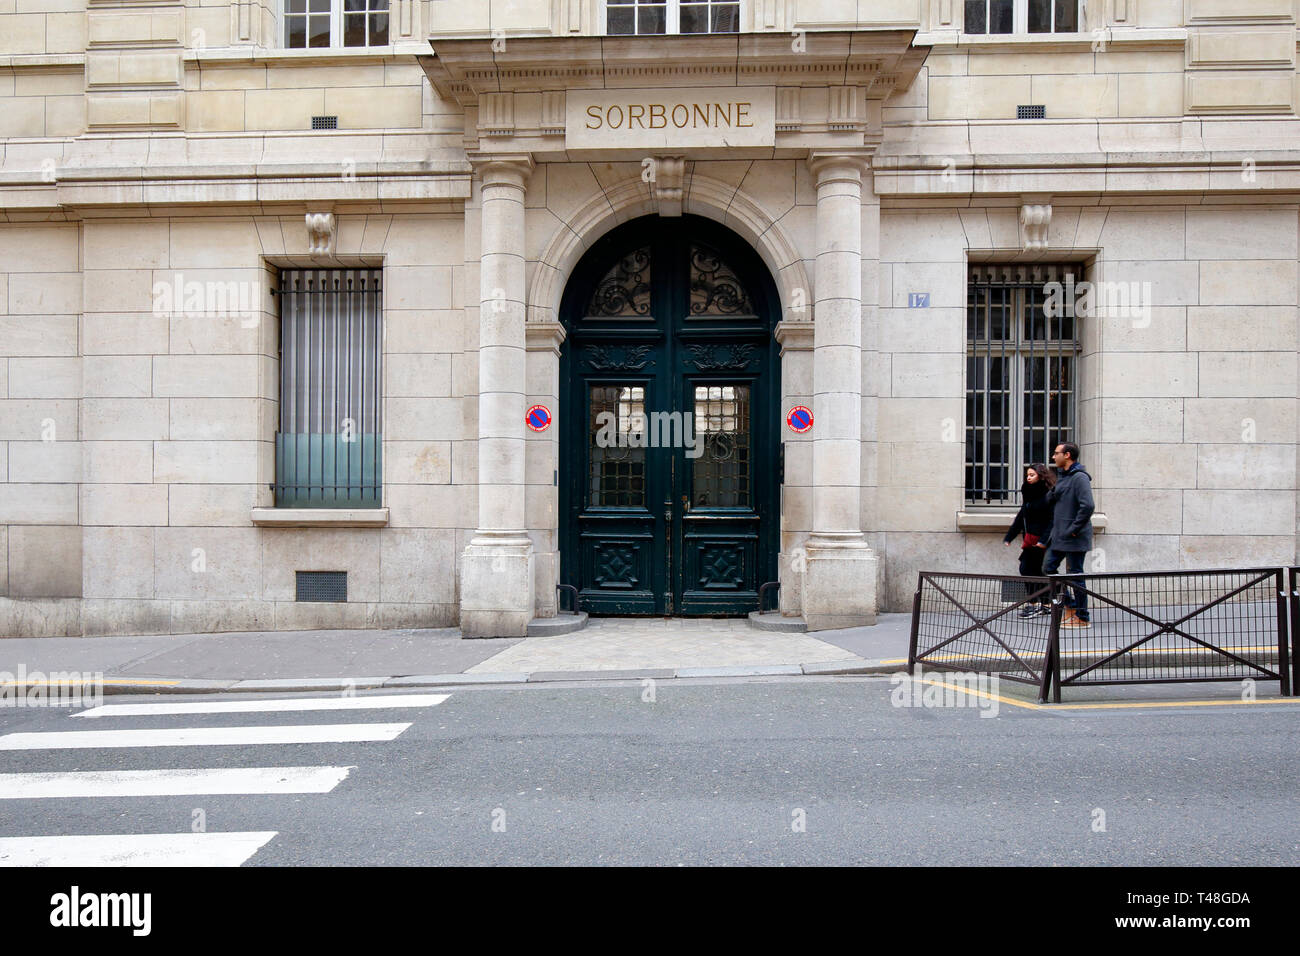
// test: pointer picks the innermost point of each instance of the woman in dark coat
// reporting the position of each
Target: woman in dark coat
(1033, 521)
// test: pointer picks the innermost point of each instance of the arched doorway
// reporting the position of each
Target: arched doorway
(670, 441)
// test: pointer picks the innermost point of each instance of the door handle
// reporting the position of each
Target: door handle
(686, 504)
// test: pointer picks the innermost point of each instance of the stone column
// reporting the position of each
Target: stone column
(496, 593)
(839, 587)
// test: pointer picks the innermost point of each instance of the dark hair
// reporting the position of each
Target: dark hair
(1071, 449)
(1046, 475)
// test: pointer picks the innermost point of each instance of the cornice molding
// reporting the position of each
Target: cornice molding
(879, 61)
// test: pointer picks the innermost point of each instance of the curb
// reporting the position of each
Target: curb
(845, 668)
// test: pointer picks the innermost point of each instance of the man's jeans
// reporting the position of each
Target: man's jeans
(1075, 597)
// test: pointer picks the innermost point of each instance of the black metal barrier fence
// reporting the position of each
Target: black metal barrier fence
(1143, 628)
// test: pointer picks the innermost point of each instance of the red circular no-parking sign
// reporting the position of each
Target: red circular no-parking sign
(800, 419)
(538, 418)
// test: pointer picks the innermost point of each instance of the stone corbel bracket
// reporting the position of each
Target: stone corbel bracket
(668, 184)
(321, 233)
(1035, 221)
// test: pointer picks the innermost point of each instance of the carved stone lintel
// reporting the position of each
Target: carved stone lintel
(1035, 220)
(553, 113)
(846, 109)
(787, 110)
(669, 184)
(320, 233)
(496, 114)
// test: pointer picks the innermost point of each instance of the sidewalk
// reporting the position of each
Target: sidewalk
(607, 649)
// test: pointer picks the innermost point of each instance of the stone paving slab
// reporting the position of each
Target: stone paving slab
(636, 644)
(256, 655)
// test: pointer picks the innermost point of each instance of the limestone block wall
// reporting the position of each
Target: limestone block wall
(284, 93)
(1187, 416)
(137, 440)
(40, 384)
(43, 99)
(42, 27)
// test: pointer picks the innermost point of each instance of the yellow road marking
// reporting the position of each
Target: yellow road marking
(1116, 705)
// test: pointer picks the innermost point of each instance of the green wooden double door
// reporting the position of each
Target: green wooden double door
(670, 442)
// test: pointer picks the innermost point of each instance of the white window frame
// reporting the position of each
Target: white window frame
(672, 21)
(336, 28)
(1020, 21)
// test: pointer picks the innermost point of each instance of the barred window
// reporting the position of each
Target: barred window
(1021, 373)
(327, 451)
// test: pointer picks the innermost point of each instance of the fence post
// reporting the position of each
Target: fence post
(1052, 666)
(1283, 633)
(916, 623)
(1295, 631)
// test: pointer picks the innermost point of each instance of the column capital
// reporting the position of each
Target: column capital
(507, 169)
(849, 164)
(543, 336)
(795, 336)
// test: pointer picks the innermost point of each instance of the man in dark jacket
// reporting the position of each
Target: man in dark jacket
(1070, 537)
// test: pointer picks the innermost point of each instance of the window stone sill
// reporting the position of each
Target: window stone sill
(320, 517)
(1000, 521)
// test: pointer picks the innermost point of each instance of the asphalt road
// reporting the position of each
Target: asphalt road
(778, 771)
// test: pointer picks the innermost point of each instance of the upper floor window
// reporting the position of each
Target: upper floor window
(1022, 16)
(335, 23)
(651, 17)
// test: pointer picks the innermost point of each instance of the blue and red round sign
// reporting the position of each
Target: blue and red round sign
(538, 418)
(800, 419)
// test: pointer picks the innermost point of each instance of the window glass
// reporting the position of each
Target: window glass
(1040, 16)
(1067, 16)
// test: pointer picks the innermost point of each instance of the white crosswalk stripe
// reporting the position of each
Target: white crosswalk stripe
(202, 736)
(134, 849)
(170, 783)
(265, 706)
(184, 849)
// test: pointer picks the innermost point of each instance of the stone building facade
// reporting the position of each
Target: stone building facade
(863, 207)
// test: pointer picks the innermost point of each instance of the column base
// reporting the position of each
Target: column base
(496, 587)
(839, 586)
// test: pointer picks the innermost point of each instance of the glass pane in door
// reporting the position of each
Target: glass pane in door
(617, 476)
(720, 477)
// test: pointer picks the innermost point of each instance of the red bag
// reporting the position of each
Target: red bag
(1031, 540)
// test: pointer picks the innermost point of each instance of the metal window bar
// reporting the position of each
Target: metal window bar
(329, 445)
(1020, 376)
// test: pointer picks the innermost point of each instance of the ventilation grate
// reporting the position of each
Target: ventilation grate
(1031, 112)
(324, 122)
(322, 586)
